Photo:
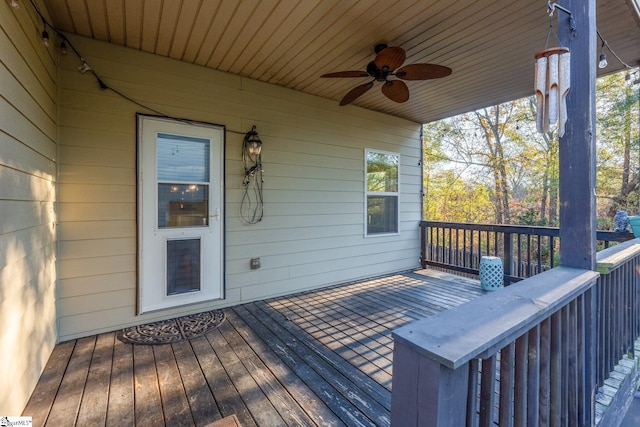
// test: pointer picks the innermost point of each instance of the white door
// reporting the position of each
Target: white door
(180, 213)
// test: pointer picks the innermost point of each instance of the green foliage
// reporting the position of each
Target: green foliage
(474, 159)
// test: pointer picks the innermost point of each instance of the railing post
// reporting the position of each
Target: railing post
(508, 256)
(426, 393)
(423, 246)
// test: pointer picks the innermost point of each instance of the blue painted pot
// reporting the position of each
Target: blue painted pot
(491, 273)
(634, 221)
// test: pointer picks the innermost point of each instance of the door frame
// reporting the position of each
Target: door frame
(139, 207)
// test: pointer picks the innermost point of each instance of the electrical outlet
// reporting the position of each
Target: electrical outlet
(255, 263)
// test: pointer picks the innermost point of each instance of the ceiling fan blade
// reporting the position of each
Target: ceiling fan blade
(422, 72)
(390, 57)
(346, 74)
(355, 93)
(396, 90)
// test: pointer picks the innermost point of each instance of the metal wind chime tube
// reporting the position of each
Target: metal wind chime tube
(552, 79)
(552, 84)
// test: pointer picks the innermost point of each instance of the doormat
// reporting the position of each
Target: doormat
(172, 330)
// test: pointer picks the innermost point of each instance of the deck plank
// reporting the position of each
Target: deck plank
(281, 344)
(328, 331)
(320, 357)
(292, 414)
(257, 402)
(227, 398)
(148, 405)
(67, 404)
(175, 406)
(309, 401)
(93, 409)
(203, 406)
(46, 390)
(357, 388)
(121, 401)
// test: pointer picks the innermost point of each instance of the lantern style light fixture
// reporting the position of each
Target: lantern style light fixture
(252, 143)
(251, 206)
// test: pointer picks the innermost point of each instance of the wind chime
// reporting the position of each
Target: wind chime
(552, 82)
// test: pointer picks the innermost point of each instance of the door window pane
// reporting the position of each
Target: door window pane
(183, 205)
(183, 266)
(182, 158)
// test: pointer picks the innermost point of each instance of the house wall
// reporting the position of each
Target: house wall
(28, 135)
(312, 234)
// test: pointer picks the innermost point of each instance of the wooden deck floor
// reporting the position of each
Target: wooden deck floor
(315, 358)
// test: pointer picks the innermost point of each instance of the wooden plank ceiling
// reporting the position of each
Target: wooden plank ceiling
(489, 44)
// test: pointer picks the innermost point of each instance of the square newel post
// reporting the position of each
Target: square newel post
(578, 145)
(577, 180)
(425, 392)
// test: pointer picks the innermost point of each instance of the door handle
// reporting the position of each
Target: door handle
(216, 215)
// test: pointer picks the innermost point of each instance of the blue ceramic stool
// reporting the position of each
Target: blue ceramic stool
(491, 273)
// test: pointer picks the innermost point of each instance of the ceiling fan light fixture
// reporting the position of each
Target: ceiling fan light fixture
(387, 61)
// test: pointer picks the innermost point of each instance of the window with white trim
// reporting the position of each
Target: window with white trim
(382, 192)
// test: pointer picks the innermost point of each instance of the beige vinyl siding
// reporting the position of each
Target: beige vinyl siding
(28, 135)
(313, 154)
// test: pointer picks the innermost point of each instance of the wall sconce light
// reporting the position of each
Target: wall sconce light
(251, 154)
(251, 206)
(252, 143)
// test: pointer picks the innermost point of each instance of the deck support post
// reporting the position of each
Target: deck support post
(425, 392)
(577, 150)
(578, 145)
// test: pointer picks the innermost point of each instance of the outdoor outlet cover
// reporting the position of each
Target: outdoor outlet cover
(255, 263)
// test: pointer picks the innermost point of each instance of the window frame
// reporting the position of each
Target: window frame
(368, 193)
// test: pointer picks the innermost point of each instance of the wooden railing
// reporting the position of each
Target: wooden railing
(524, 250)
(533, 353)
(618, 314)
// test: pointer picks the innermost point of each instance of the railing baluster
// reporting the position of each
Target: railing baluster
(529, 255)
(449, 248)
(545, 367)
(507, 359)
(487, 391)
(533, 377)
(520, 386)
(457, 246)
(539, 257)
(564, 362)
(555, 371)
(508, 255)
(473, 408)
(519, 254)
(572, 350)
(471, 263)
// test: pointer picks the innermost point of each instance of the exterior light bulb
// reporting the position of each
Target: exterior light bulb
(84, 68)
(603, 61)
(45, 38)
(254, 147)
(252, 142)
(15, 4)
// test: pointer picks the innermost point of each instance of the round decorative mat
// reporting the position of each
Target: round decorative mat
(172, 330)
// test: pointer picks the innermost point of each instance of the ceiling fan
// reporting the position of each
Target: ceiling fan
(387, 60)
